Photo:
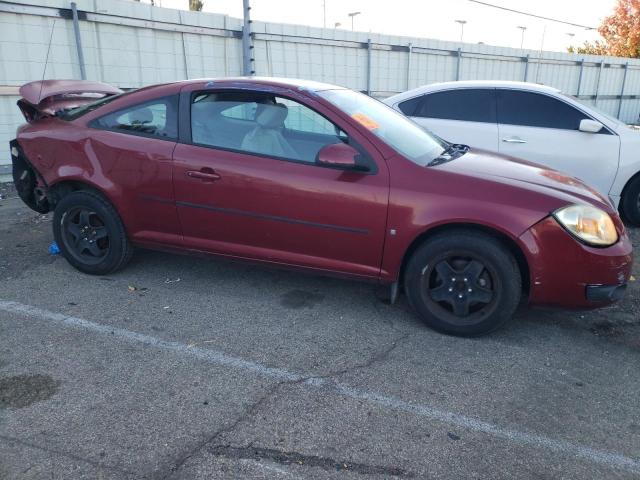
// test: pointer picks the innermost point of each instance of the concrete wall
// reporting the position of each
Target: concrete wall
(130, 44)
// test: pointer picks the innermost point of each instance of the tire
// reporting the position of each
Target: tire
(463, 283)
(630, 207)
(90, 233)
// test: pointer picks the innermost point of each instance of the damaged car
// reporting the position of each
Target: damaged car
(315, 177)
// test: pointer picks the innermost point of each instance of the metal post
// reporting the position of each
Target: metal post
(247, 48)
(580, 77)
(76, 31)
(526, 66)
(624, 81)
(595, 102)
(409, 64)
(369, 66)
(458, 64)
(184, 56)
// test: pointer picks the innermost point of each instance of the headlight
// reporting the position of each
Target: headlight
(589, 224)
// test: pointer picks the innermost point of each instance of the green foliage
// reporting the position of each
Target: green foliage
(196, 5)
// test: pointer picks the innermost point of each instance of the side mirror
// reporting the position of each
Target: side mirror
(339, 155)
(590, 126)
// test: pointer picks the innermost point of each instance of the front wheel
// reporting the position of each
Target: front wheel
(90, 234)
(630, 203)
(463, 283)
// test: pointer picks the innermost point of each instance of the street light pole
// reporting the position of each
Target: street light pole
(353, 14)
(522, 37)
(462, 24)
(324, 13)
(544, 33)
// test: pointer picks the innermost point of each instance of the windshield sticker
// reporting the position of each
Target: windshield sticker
(365, 121)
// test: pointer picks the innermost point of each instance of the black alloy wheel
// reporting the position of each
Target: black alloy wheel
(463, 282)
(85, 235)
(90, 233)
(461, 286)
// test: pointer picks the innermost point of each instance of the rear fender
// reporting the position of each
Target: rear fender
(29, 184)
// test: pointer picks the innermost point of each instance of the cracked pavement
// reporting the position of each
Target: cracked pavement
(193, 368)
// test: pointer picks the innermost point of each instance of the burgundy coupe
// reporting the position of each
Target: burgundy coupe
(313, 176)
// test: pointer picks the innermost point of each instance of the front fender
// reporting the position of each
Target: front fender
(423, 200)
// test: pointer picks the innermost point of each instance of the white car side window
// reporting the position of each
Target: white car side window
(530, 109)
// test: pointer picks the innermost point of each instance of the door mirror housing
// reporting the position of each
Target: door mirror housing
(340, 156)
(590, 126)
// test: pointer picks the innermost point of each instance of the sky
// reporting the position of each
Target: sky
(434, 18)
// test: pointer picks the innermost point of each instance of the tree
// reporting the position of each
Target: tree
(596, 48)
(196, 5)
(620, 31)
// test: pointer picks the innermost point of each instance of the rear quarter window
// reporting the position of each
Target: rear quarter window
(410, 107)
(155, 118)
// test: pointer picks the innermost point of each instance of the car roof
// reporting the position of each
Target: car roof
(294, 83)
(250, 83)
(434, 87)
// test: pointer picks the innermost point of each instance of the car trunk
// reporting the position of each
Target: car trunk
(45, 98)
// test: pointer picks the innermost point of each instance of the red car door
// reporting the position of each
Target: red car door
(247, 185)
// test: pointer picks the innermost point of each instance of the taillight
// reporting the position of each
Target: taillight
(28, 111)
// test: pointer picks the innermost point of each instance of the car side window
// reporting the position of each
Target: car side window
(155, 118)
(302, 119)
(242, 111)
(411, 106)
(261, 124)
(468, 105)
(532, 109)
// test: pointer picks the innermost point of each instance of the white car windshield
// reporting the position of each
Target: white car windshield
(400, 133)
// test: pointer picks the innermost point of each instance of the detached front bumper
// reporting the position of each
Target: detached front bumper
(566, 273)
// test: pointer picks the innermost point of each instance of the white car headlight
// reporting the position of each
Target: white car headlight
(588, 224)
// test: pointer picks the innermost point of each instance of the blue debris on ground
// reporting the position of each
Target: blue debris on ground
(54, 249)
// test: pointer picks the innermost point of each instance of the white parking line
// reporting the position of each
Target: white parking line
(264, 467)
(609, 459)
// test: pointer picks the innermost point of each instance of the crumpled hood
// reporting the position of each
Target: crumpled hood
(522, 173)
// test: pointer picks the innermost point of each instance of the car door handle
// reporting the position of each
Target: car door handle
(203, 174)
(513, 140)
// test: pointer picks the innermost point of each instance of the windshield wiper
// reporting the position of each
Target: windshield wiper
(453, 151)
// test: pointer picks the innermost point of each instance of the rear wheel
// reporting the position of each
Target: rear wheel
(90, 234)
(463, 283)
(631, 202)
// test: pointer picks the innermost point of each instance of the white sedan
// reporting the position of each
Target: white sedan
(536, 123)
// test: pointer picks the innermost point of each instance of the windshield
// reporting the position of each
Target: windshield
(400, 133)
(592, 107)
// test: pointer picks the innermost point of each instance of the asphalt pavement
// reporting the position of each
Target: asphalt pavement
(183, 367)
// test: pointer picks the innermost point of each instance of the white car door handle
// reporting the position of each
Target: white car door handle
(513, 140)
